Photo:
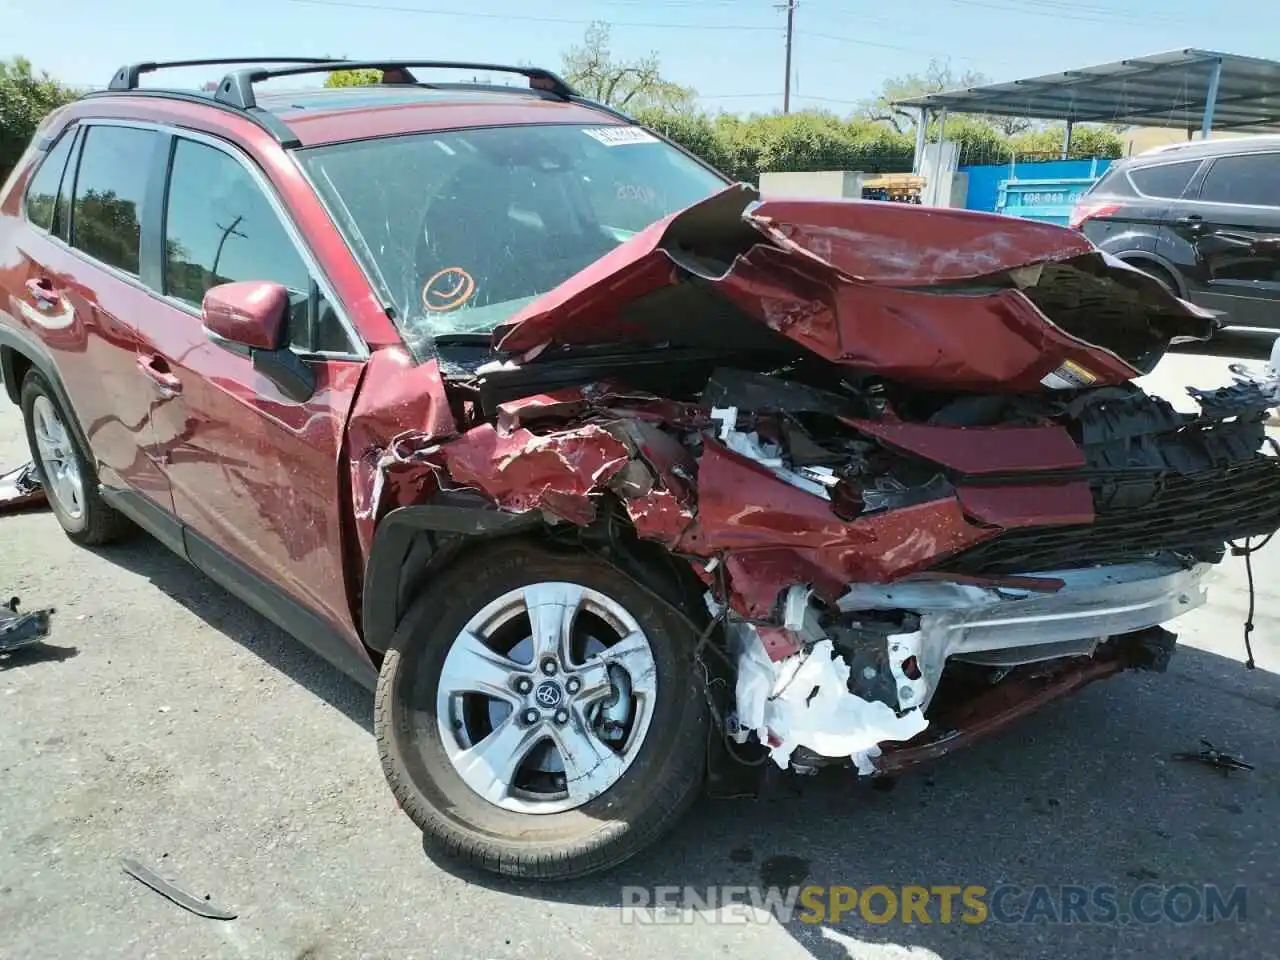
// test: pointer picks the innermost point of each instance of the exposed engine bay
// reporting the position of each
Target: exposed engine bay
(916, 482)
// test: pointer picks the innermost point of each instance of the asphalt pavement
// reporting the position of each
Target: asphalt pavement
(166, 723)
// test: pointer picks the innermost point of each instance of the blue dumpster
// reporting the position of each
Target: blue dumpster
(1049, 201)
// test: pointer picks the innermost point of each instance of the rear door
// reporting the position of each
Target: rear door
(255, 474)
(79, 289)
(1233, 226)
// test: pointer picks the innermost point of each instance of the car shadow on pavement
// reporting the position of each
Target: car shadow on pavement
(37, 653)
(1083, 793)
(215, 606)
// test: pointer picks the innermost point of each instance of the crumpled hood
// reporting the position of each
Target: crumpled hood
(929, 296)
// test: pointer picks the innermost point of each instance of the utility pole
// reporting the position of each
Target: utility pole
(227, 233)
(790, 7)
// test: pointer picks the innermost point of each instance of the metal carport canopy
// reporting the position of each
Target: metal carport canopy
(1215, 91)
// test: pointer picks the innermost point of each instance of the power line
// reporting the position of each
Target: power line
(736, 96)
(892, 46)
(474, 15)
(1057, 9)
(810, 96)
(1085, 14)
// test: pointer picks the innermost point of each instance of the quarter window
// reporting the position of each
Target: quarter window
(1166, 180)
(42, 193)
(1252, 178)
(110, 194)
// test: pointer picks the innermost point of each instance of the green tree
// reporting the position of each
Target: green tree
(625, 84)
(25, 99)
(936, 78)
(353, 78)
(1097, 141)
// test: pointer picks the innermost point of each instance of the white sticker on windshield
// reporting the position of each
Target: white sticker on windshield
(620, 136)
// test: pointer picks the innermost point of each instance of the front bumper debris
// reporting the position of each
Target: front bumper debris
(20, 489)
(815, 702)
(18, 630)
(1010, 626)
(1023, 691)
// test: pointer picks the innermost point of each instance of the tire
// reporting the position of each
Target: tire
(666, 772)
(90, 522)
(1159, 273)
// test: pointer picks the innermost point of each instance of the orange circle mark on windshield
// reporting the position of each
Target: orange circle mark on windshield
(447, 290)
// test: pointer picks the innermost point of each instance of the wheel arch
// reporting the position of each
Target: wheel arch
(413, 542)
(1137, 259)
(18, 356)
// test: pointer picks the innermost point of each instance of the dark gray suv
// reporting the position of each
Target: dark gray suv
(1202, 217)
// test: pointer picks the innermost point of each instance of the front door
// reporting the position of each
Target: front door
(255, 475)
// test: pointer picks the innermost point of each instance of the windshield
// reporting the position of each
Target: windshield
(460, 230)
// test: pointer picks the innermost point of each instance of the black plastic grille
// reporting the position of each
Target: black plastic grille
(1188, 513)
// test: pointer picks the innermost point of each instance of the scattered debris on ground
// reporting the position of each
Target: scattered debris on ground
(20, 489)
(18, 630)
(1211, 756)
(165, 888)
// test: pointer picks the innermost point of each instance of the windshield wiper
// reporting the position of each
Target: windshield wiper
(464, 339)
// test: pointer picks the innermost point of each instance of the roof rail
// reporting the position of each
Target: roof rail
(236, 88)
(127, 77)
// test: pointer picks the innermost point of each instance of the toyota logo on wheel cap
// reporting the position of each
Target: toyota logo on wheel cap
(548, 694)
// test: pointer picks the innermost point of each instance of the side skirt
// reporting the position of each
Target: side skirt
(260, 595)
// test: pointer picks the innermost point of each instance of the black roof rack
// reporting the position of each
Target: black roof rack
(127, 77)
(236, 88)
(234, 93)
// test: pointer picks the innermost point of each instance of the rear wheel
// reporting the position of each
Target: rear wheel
(1163, 276)
(538, 715)
(69, 480)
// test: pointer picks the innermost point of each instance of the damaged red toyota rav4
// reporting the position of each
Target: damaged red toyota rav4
(600, 468)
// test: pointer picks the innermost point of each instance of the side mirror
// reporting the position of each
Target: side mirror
(250, 313)
(251, 317)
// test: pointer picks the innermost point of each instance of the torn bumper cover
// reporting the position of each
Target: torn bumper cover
(810, 700)
(898, 448)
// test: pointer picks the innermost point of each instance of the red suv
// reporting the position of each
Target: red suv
(602, 470)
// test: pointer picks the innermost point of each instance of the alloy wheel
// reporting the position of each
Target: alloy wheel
(545, 697)
(58, 463)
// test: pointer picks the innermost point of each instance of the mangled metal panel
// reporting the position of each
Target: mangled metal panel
(779, 522)
(940, 298)
(20, 489)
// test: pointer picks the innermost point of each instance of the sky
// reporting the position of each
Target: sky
(730, 51)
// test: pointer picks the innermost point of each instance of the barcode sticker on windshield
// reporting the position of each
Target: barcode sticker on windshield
(620, 136)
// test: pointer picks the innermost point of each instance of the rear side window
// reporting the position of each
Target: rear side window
(1112, 182)
(111, 187)
(1251, 178)
(1165, 180)
(42, 192)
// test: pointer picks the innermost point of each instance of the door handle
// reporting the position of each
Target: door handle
(156, 369)
(42, 291)
(1193, 223)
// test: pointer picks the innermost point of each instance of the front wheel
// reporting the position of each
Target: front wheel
(540, 715)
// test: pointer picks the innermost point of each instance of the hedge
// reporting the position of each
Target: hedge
(745, 147)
